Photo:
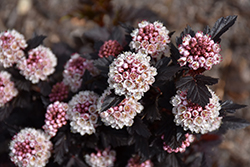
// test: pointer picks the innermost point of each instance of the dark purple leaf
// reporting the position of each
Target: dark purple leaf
(206, 80)
(45, 88)
(12, 129)
(35, 42)
(206, 30)
(5, 111)
(60, 147)
(199, 94)
(140, 128)
(175, 54)
(185, 83)
(221, 26)
(111, 101)
(186, 31)
(197, 91)
(230, 107)
(103, 65)
(231, 122)
(113, 137)
(162, 63)
(165, 74)
(22, 100)
(141, 146)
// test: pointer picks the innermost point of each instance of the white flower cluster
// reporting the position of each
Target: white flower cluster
(150, 38)
(75, 69)
(130, 74)
(55, 117)
(122, 114)
(194, 117)
(40, 64)
(199, 51)
(105, 158)
(12, 44)
(82, 112)
(30, 148)
(7, 88)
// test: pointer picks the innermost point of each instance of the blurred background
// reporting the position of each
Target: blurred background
(67, 20)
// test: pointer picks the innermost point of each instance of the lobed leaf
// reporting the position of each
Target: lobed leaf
(230, 107)
(111, 101)
(221, 26)
(231, 122)
(35, 42)
(140, 128)
(187, 30)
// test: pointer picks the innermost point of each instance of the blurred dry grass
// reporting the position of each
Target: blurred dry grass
(44, 17)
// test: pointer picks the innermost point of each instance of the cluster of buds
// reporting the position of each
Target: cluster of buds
(186, 143)
(82, 112)
(135, 162)
(12, 44)
(110, 48)
(59, 92)
(40, 63)
(55, 117)
(150, 38)
(7, 88)
(75, 69)
(130, 74)
(30, 148)
(122, 114)
(104, 158)
(199, 51)
(194, 117)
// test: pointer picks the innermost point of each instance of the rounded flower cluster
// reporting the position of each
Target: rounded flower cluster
(122, 114)
(75, 69)
(7, 88)
(199, 51)
(150, 38)
(59, 92)
(41, 63)
(104, 158)
(55, 117)
(135, 162)
(194, 117)
(130, 74)
(30, 148)
(189, 139)
(83, 112)
(12, 44)
(110, 48)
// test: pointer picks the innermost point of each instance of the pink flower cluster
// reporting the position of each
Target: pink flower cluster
(130, 74)
(122, 114)
(199, 51)
(40, 63)
(135, 162)
(30, 148)
(55, 117)
(12, 44)
(75, 69)
(59, 92)
(7, 88)
(189, 139)
(150, 38)
(104, 158)
(82, 112)
(194, 117)
(110, 48)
